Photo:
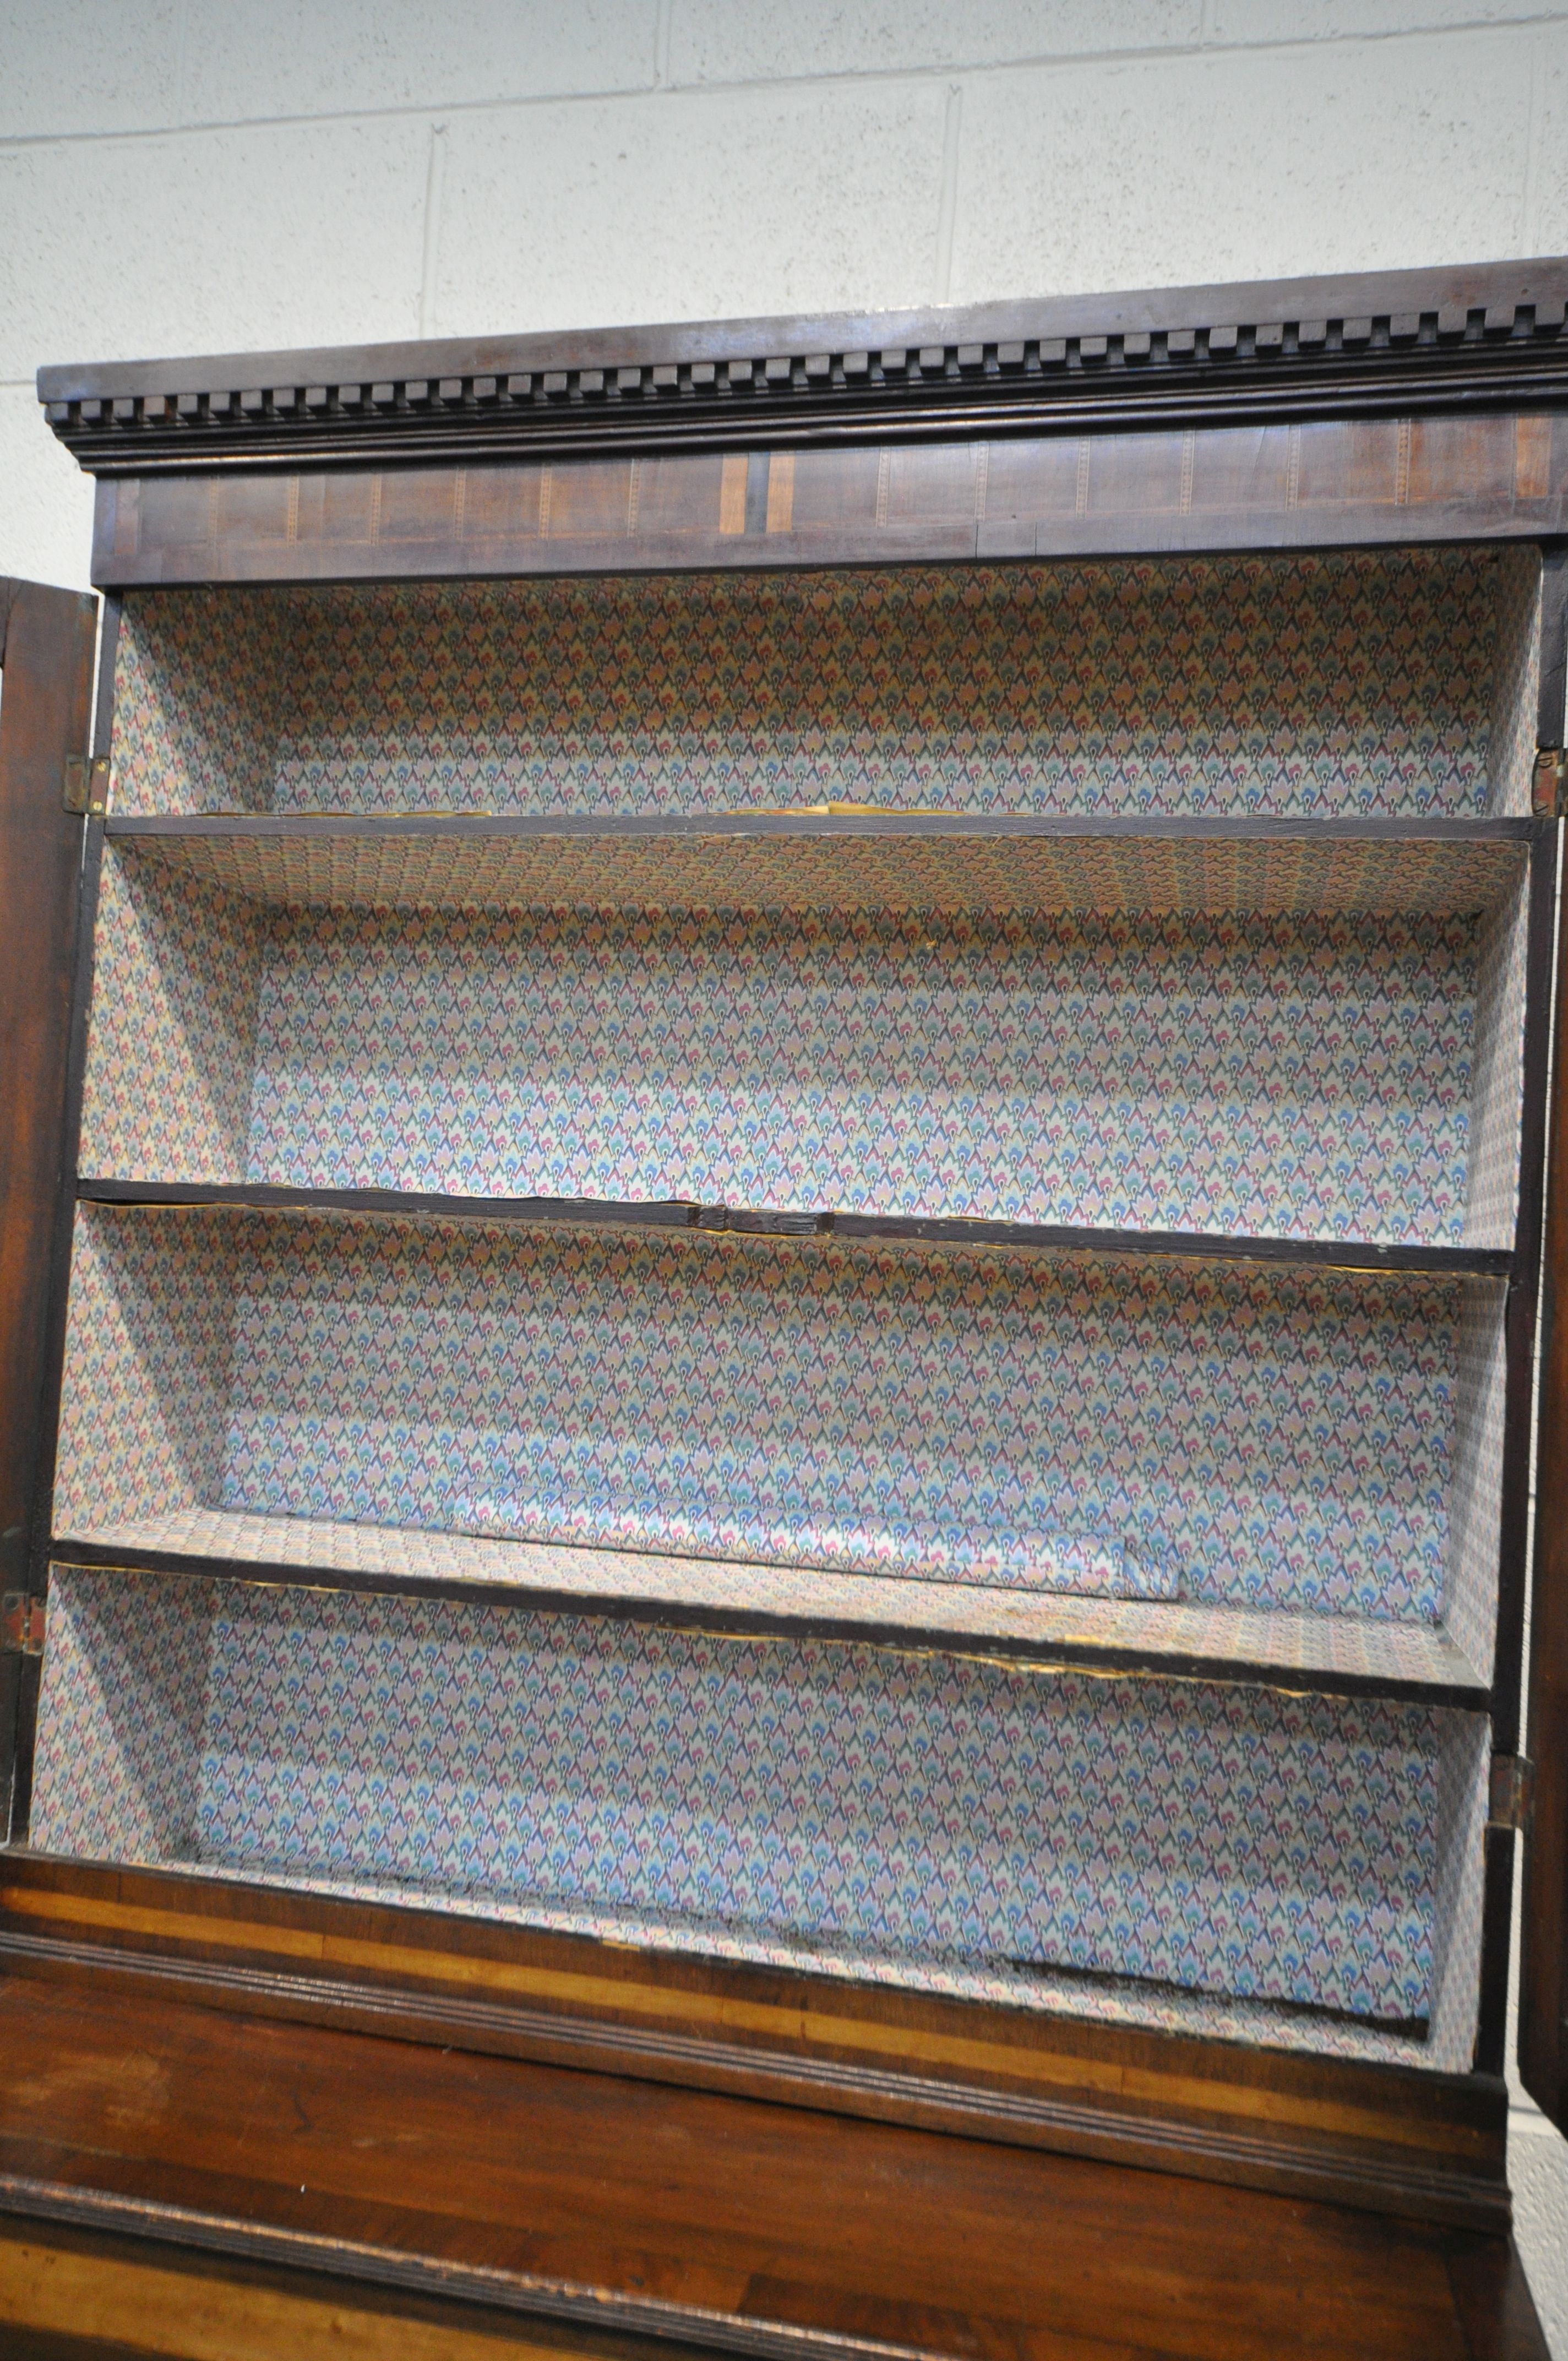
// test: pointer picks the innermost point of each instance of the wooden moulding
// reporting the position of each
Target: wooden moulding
(1446, 340)
(1392, 2139)
(151, 2170)
(1403, 407)
(1324, 483)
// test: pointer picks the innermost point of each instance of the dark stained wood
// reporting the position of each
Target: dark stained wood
(415, 504)
(596, 2202)
(1369, 344)
(825, 821)
(1191, 1246)
(1492, 2297)
(46, 640)
(256, 509)
(1357, 463)
(1327, 482)
(1544, 1963)
(19, 1753)
(1394, 2139)
(1448, 451)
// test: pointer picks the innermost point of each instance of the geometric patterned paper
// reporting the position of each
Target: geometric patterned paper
(1292, 1076)
(1141, 1430)
(927, 1811)
(1268, 1437)
(1286, 1076)
(1359, 681)
(836, 860)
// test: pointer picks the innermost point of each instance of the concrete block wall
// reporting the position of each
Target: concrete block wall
(177, 176)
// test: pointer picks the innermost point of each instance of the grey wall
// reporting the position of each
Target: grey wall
(177, 176)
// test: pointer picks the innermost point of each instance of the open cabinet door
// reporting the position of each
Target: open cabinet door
(1543, 1964)
(47, 642)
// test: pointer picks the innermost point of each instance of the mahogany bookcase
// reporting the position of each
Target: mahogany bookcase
(779, 1105)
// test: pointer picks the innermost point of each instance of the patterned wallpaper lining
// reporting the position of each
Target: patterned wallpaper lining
(172, 1039)
(839, 861)
(1475, 1485)
(1465, 1767)
(931, 1816)
(1496, 1073)
(1510, 746)
(1183, 1074)
(1295, 1076)
(1283, 1647)
(972, 1418)
(1371, 681)
(1266, 1437)
(148, 1329)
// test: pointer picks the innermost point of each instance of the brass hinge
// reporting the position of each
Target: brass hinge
(22, 1622)
(87, 785)
(1509, 1806)
(1550, 777)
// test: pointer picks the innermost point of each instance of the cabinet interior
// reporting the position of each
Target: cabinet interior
(1171, 1062)
(1389, 682)
(583, 1435)
(1320, 1444)
(1302, 1872)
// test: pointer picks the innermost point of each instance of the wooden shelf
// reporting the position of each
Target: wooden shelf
(1336, 1655)
(833, 820)
(810, 858)
(681, 1213)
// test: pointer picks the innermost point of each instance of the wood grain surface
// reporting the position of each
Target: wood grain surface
(46, 641)
(1397, 2139)
(1326, 481)
(593, 2203)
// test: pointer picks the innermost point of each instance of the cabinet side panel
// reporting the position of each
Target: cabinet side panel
(1463, 1756)
(1543, 1968)
(145, 1397)
(1474, 1504)
(202, 685)
(120, 1716)
(1502, 980)
(1510, 753)
(172, 1043)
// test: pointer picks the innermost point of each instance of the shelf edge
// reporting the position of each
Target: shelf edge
(689, 1214)
(1466, 1691)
